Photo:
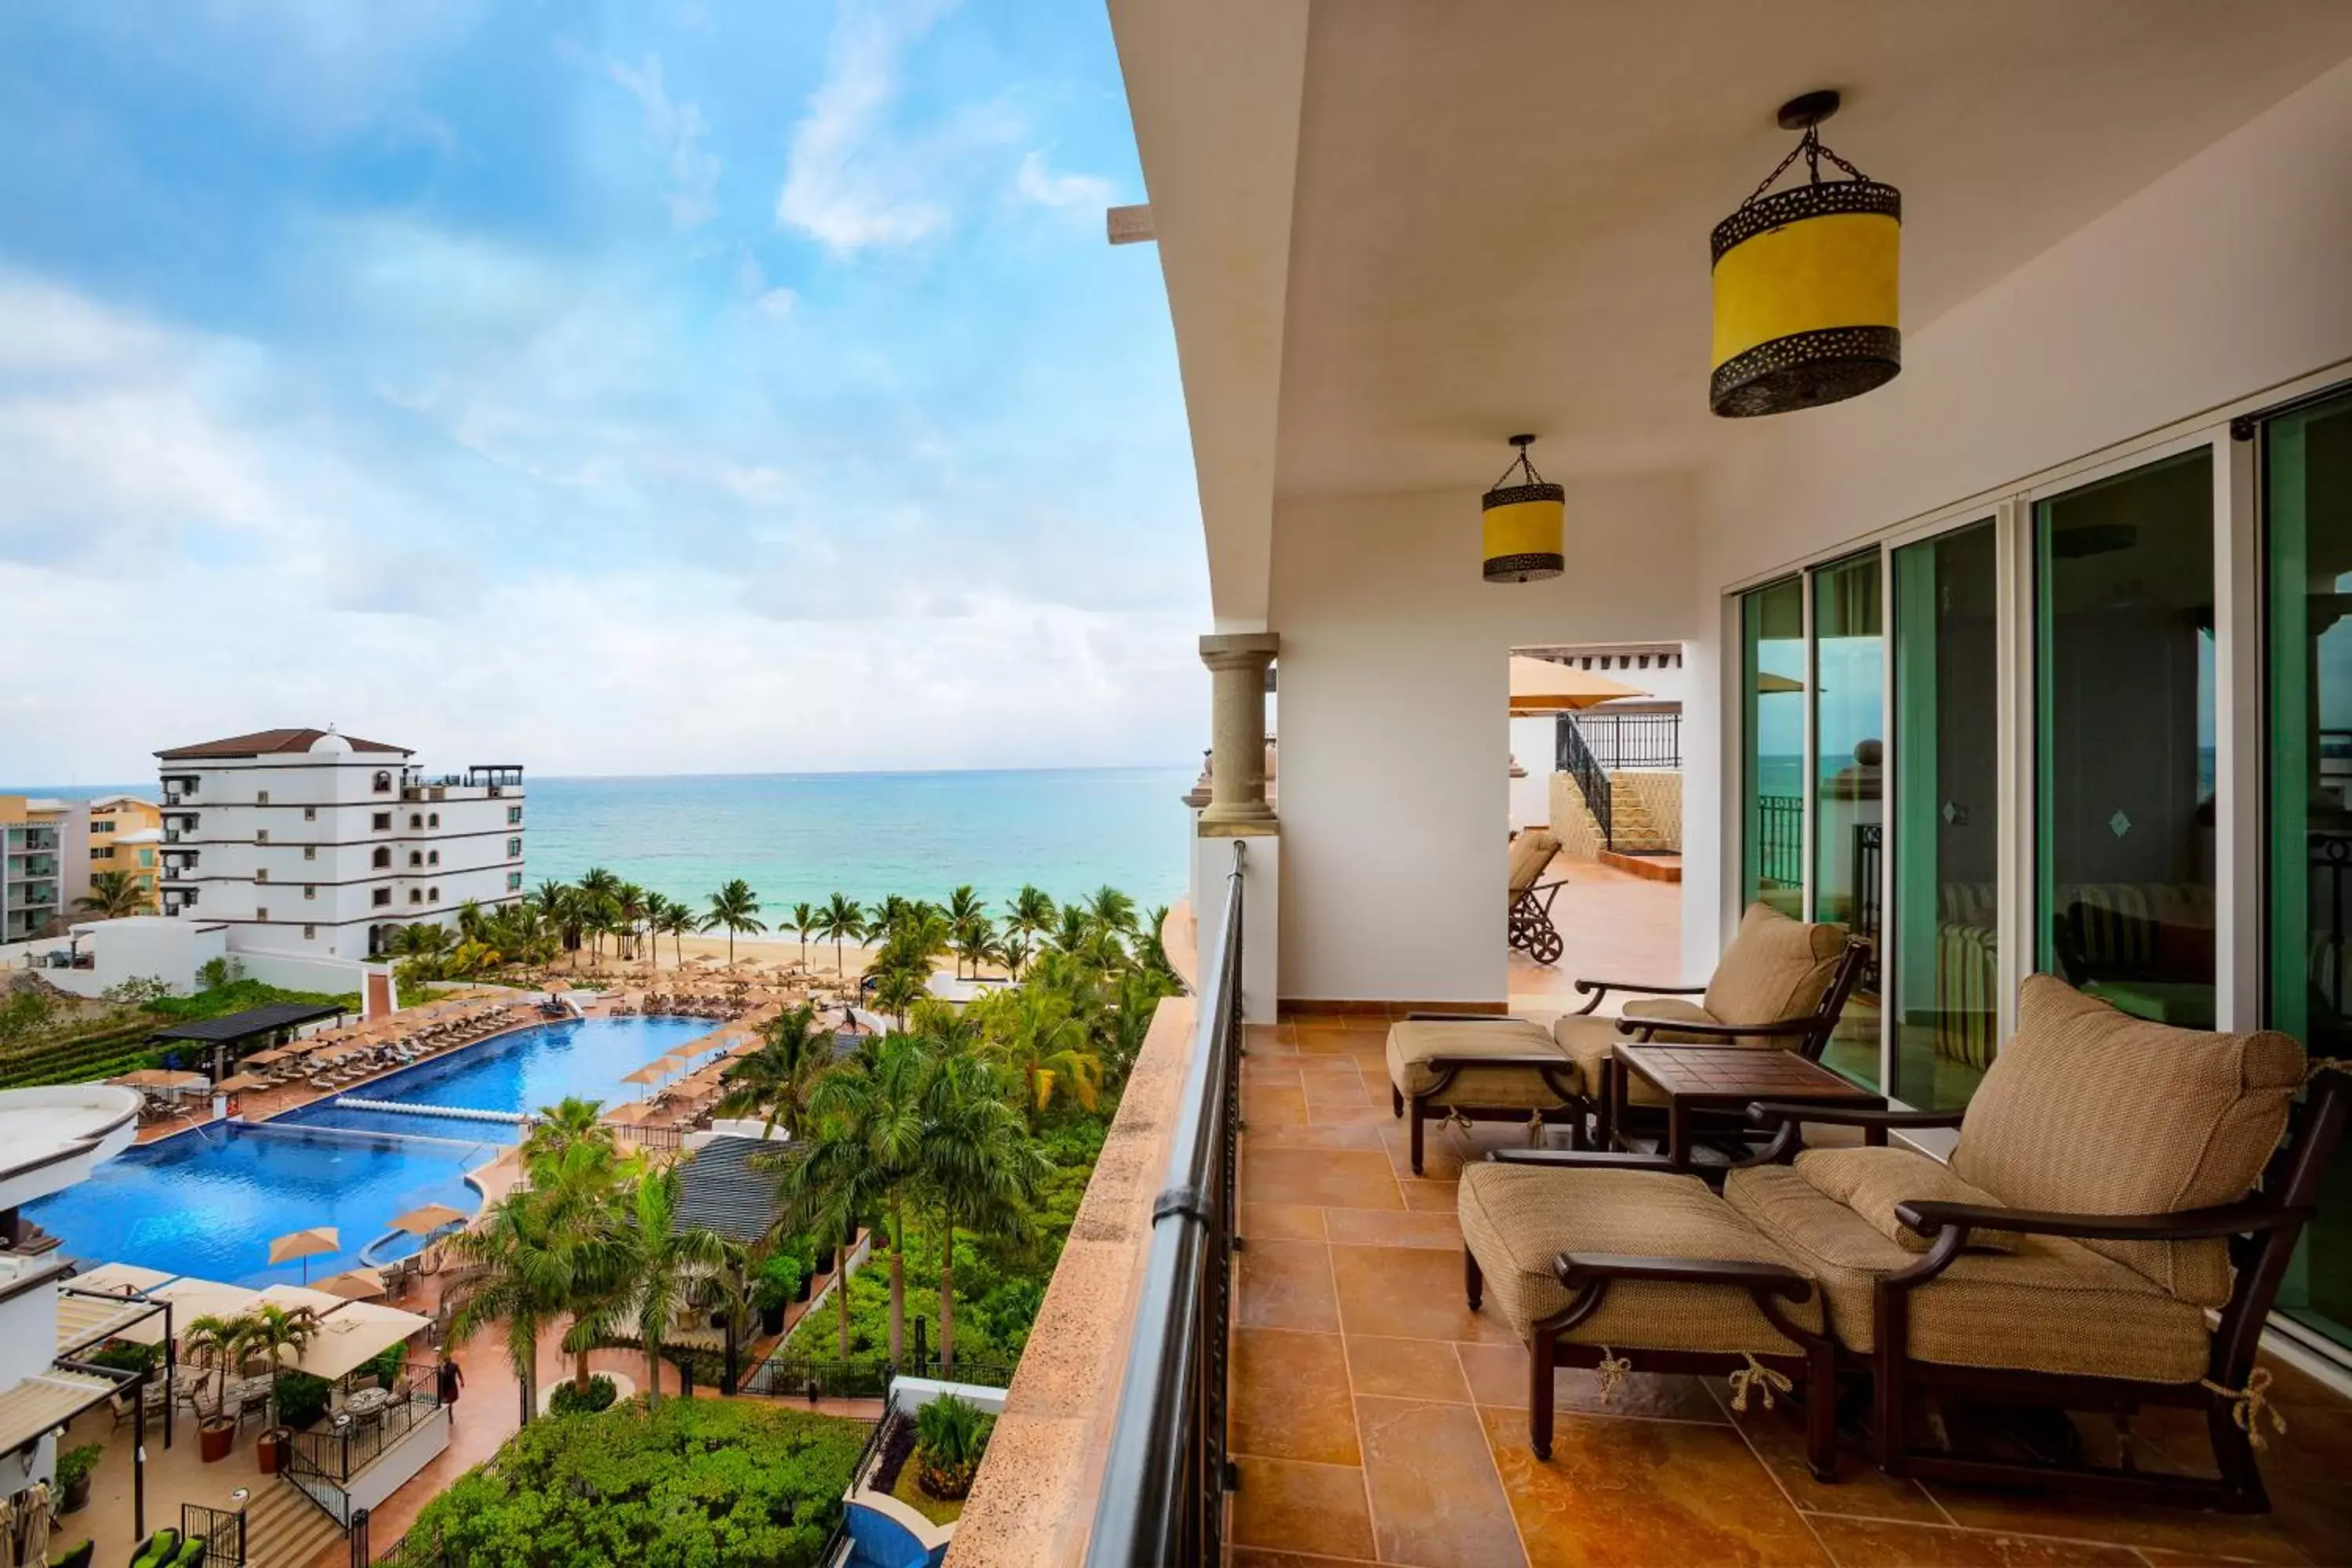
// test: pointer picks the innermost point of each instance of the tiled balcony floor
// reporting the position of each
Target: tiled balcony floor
(1617, 926)
(1376, 1419)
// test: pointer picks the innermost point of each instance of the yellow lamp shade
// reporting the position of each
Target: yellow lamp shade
(1806, 298)
(1525, 526)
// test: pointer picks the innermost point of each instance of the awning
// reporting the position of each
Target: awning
(266, 1019)
(47, 1400)
(298, 1298)
(86, 1318)
(355, 1334)
(190, 1299)
(1540, 686)
(118, 1277)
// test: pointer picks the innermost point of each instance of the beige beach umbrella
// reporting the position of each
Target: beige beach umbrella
(1768, 684)
(629, 1112)
(355, 1285)
(274, 1053)
(425, 1221)
(316, 1242)
(158, 1077)
(1540, 686)
(652, 1072)
(242, 1080)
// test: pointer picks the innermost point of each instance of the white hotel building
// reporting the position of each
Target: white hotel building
(316, 844)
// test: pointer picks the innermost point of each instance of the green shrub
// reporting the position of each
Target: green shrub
(567, 1399)
(75, 1464)
(301, 1398)
(951, 1435)
(779, 1281)
(388, 1366)
(699, 1481)
(125, 1355)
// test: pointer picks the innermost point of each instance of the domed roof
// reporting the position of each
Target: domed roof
(330, 744)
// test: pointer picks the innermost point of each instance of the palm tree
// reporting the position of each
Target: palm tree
(804, 920)
(966, 910)
(558, 1126)
(629, 910)
(897, 988)
(523, 1280)
(271, 1329)
(112, 895)
(841, 918)
(1070, 929)
(1036, 1032)
(1032, 913)
(778, 1080)
(1112, 910)
(666, 1262)
(215, 1344)
(869, 1121)
(675, 920)
(470, 919)
(978, 1164)
(421, 939)
(1013, 952)
(737, 908)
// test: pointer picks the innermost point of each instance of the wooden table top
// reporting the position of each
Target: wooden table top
(1697, 1072)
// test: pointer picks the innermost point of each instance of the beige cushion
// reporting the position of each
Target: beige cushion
(1587, 1041)
(1531, 851)
(1775, 968)
(1413, 1044)
(1670, 1010)
(1871, 1182)
(2050, 1306)
(2091, 1110)
(1515, 1219)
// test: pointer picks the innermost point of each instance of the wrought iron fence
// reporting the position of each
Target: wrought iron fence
(221, 1530)
(1166, 1474)
(1577, 760)
(1780, 840)
(320, 1464)
(1630, 739)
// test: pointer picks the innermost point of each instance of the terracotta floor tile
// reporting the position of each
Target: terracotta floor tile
(1340, 1112)
(1621, 1493)
(1409, 1292)
(2256, 1538)
(1291, 1398)
(1344, 1087)
(1356, 1179)
(1862, 1488)
(1299, 1507)
(1282, 1222)
(1267, 1037)
(1347, 1134)
(1499, 1377)
(1255, 1557)
(1288, 1285)
(1431, 1197)
(1880, 1544)
(1406, 1369)
(1266, 1104)
(1436, 1499)
(1387, 1227)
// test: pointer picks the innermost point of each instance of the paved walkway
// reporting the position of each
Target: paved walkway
(1617, 926)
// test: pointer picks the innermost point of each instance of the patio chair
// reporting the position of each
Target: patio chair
(1530, 897)
(1780, 983)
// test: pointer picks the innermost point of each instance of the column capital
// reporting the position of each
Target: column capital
(1240, 650)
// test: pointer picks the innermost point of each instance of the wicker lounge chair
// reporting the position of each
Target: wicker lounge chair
(1530, 897)
(2100, 1204)
(1781, 983)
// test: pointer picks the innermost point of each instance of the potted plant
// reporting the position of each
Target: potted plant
(74, 1468)
(214, 1344)
(272, 1331)
(951, 1435)
(779, 1281)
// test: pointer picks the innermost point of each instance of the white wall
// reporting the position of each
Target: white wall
(1534, 745)
(167, 948)
(2225, 278)
(1394, 718)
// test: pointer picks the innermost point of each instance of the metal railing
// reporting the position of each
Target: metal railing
(1577, 760)
(1631, 740)
(1165, 1477)
(1780, 840)
(221, 1530)
(321, 1464)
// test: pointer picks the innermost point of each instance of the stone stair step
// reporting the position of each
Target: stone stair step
(284, 1529)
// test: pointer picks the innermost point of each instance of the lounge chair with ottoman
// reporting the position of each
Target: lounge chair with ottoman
(2101, 1202)
(1780, 983)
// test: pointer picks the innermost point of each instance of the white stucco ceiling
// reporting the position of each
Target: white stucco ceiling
(1502, 207)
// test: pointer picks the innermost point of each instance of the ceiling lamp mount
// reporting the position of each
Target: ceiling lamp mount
(1806, 282)
(1526, 523)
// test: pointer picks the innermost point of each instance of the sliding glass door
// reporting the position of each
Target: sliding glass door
(1772, 777)
(1943, 968)
(2124, 739)
(2307, 522)
(1849, 757)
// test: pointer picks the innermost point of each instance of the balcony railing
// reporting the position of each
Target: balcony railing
(1629, 740)
(1165, 1475)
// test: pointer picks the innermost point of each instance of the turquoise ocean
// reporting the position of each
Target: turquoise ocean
(796, 837)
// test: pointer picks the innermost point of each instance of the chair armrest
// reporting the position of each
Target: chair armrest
(1773, 1112)
(1574, 1268)
(1584, 1158)
(1598, 988)
(1930, 1218)
(1464, 1018)
(1792, 1028)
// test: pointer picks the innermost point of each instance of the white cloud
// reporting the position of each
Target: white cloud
(1040, 184)
(751, 281)
(849, 182)
(676, 131)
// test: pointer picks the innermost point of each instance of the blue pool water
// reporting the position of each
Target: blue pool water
(207, 1203)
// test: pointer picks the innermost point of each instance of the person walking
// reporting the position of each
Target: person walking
(451, 1381)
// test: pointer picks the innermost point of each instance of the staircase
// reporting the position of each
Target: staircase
(284, 1529)
(1632, 830)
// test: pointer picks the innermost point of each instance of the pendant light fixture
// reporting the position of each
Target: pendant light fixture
(1805, 283)
(1524, 522)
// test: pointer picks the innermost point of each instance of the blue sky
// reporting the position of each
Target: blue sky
(665, 387)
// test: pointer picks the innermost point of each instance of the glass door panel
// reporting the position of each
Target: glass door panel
(2124, 666)
(2307, 491)
(1849, 747)
(1772, 775)
(1943, 964)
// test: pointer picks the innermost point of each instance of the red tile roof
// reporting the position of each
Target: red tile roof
(265, 742)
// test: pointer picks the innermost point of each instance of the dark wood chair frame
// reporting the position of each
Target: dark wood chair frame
(1575, 1107)
(1531, 930)
(1589, 1275)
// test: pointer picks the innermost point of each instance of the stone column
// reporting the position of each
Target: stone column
(1238, 661)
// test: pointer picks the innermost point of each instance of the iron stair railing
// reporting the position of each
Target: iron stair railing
(1577, 760)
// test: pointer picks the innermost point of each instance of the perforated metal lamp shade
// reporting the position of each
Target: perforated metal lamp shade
(1525, 525)
(1807, 286)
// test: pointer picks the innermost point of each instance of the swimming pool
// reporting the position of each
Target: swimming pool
(208, 1202)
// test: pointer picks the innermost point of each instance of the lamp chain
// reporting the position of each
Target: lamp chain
(1812, 149)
